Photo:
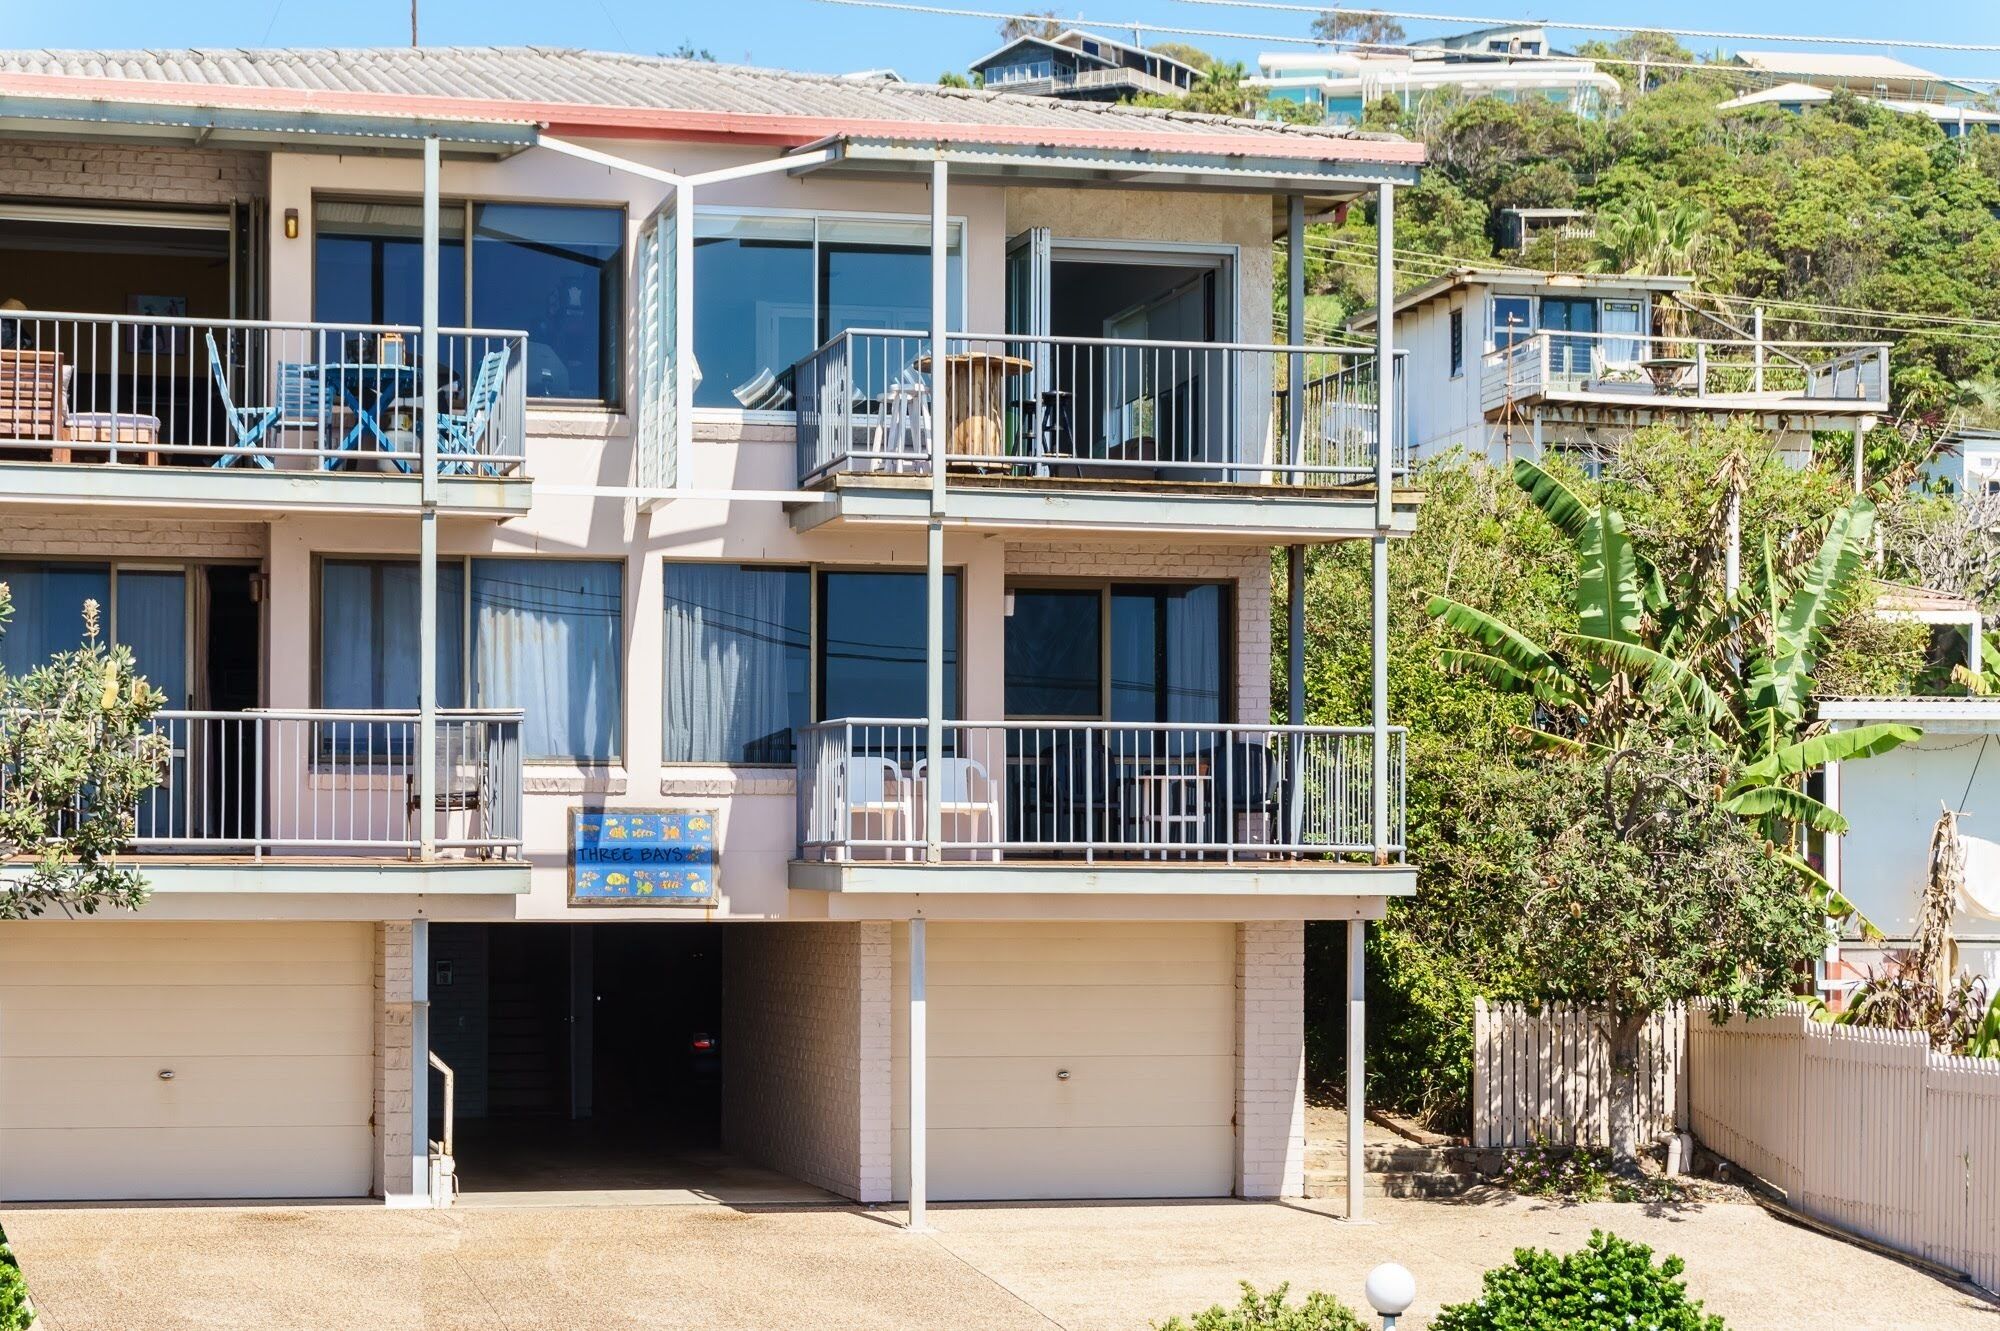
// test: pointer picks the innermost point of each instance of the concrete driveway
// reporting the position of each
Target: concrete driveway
(1087, 1267)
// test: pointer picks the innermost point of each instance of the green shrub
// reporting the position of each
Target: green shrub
(14, 1313)
(1611, 1285)
(1270, 1312)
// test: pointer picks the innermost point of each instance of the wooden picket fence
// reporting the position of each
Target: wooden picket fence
(1864, 1129)
(1544, 1074)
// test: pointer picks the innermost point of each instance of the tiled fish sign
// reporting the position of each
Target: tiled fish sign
(642, 857)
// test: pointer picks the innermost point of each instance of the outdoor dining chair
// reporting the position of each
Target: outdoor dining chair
(875, 789)
(460, 434)
(963, 789)
(247, 425)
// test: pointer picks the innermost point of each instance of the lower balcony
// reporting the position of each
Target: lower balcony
(165, 411)
(1097, 806)
(328, 800)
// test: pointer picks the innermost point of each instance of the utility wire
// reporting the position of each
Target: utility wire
(1743, 73)
(1908, 43)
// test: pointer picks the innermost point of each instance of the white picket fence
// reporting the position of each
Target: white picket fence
(1544, 1074)
(1865, 1129)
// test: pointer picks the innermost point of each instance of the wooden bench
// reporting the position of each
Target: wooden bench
(31, 397)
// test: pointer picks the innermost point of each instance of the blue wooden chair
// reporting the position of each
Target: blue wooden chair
(247, 425)
(460, 434)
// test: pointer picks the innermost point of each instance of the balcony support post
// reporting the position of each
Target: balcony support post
(919, 1080)
(1357, 1109)
(420, 1057)
(1862, 425)
(427, 543)
(934, 542)
(1385, 432)
(1295, 692)
(1295, 333)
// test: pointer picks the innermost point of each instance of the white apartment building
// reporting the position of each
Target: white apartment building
(705, 610)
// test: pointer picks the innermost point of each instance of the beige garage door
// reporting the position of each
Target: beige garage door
(1141, 1017)
(265, 1027)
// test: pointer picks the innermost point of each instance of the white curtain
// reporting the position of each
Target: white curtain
(369, 634)
(547, 637)
(1194, 654)
(48, 610)
(737, 662)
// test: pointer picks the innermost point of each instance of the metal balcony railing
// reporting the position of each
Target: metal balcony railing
(1093, 789)
(1830, 375)
(1089, 408)
(328, 782)
(255, 394)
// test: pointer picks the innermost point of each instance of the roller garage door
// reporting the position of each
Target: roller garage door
(1141, 1017)
(267, 1031)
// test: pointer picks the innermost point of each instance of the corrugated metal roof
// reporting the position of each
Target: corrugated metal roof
(571, 77)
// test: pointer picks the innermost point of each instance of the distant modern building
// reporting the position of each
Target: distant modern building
(1513, 63)
(1083, 66)
(1954, 118)
(1878, 76)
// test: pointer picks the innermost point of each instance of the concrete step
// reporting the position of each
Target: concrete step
(1401, 1158)
(1419, 1183)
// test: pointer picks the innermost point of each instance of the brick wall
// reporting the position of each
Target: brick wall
(805, 1077)
(392, 1059)
(1249, 569)
(73, 535)
(130, 174)
(1270, 1059)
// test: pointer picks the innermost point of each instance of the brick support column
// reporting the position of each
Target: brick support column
(877, 1058)
(1270, 1059)
(394, 1131)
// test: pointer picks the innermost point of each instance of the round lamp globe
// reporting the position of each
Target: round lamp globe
(1391, 1289)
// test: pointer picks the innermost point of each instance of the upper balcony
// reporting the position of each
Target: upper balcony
(1096, 433)
(256, 415)
(1809, 385)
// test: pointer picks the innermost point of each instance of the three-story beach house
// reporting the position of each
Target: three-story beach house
(703, 609)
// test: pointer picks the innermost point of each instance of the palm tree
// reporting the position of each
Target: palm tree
(1643, 238)
(1737, 666)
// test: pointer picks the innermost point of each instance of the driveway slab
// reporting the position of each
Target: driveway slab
(1085, 1267)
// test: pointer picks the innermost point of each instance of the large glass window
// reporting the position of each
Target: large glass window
(768, 289)
(1513, 319)
(1169, 653)
(1055, 652)
(546, 636)
(555, 271)
(737, 660)
(872, 637)
(48, 610)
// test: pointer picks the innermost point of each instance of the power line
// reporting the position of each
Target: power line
(1908, 43)
(1742, 73)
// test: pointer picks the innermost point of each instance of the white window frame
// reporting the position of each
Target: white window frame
(953, 222)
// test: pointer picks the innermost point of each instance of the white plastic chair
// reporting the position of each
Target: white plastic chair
(959, 797)
(905, 429)
(875, 789)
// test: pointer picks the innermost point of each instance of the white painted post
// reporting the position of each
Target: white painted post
(1386, 426)
(1357, 1108)
(427, 540)
(934, 536)
(1862, 425)
(1757, 331)
(919, 1074)
(420, 1057)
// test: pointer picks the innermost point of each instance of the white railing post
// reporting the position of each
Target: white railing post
(919, 1090)
(934, 533)
(427, 544)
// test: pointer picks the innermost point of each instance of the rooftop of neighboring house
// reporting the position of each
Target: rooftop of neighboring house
(1904, 599)
(1857, 72)
(578, 92)
(1805, 94)
(1526, 279)
(1086, 45)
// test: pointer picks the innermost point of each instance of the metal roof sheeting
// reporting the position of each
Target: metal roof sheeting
(548, 76)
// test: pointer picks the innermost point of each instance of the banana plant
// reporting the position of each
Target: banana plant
(1740, 664)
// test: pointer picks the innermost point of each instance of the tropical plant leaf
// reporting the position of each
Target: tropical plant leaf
(1986, 1039)
(1488, 667)
(1794, 806)
(1609, 603)
(1662, 671)
(1496, 635)
(1558, 503)
(1834, 746)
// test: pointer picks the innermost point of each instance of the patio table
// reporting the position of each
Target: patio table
(366, 387)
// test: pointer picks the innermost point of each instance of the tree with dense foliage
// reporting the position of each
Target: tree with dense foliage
(1041, 23)
(1270, 1312)
(1357, 27)
(78, 750)
(1192, 56)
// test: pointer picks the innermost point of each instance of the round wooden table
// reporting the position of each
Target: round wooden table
(976, 400)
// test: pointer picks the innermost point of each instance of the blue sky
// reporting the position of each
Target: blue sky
(802, 34)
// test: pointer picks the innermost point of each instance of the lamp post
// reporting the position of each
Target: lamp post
(1391, 1290)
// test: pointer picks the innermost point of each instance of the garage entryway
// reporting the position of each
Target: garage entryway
(1088, 1060)
(587, 1059)
(144, 1060)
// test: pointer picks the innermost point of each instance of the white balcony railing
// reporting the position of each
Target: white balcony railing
(1829, 375)
(1089, 408)
(256, 394)
(326, 782)
(1093, 789)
